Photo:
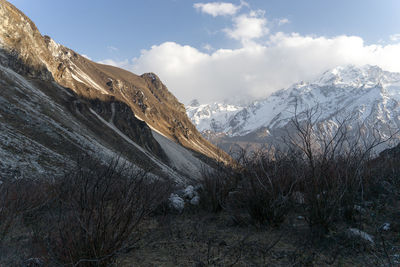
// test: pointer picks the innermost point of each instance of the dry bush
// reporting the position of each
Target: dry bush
(216, 185)
(326, 171)
(387, 169)
(332, 164)
(258, 187)
(18, 197)
(330, 191)
(97, 212)
(265, 189)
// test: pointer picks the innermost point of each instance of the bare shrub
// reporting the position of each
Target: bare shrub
(387, 169)
(265, 189)
(16, 198)
(216, 185)
(97, 212)
(333, 163)
(258, 187)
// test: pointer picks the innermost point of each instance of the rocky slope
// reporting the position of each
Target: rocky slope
(56, 104)
(368, 94)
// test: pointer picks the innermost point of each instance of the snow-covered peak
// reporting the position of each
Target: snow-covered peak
(369, 93)
(214, 116)
(353, 76)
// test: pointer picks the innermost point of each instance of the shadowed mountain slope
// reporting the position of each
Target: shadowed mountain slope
(55, 101)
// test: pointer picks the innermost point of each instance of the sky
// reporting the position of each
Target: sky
(225, 50)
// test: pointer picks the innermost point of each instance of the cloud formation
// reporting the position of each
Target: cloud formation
(111, 48)
(248, 26)
(395, 37)
(217, 8)
(257, 70)
(283, 21)
(264, 63)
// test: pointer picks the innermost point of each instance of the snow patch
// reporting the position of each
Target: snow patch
(181, 158)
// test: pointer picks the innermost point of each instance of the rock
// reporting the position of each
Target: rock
(189, 192)
(190, 195)
(176, 202)
(385, 227)
(195, 201)
(354, 232)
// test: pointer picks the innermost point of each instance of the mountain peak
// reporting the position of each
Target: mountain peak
(356, 76)
(151, 75)
(25, 52)
(194, 103)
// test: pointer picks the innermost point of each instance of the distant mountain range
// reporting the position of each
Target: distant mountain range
(56, 105)
(367, 94)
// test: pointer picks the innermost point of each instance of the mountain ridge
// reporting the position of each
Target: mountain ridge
(368, 94)
(65, 105)
(93, 80)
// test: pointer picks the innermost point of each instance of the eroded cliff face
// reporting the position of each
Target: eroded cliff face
(33, 55)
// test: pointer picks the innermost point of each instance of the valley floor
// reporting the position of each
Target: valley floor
(205, 239)
(197, 237)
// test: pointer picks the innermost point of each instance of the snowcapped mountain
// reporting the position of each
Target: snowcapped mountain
(370, 95)
(211, 116)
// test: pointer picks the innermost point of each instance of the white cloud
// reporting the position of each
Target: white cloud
(395, 37)
(283, 21)
(217, 8)
(208, 47)
(248, 26)
(262, 65)
(111, 48)
(256, 70)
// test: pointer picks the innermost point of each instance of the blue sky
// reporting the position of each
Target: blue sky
(148, 35)
(93, 27)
